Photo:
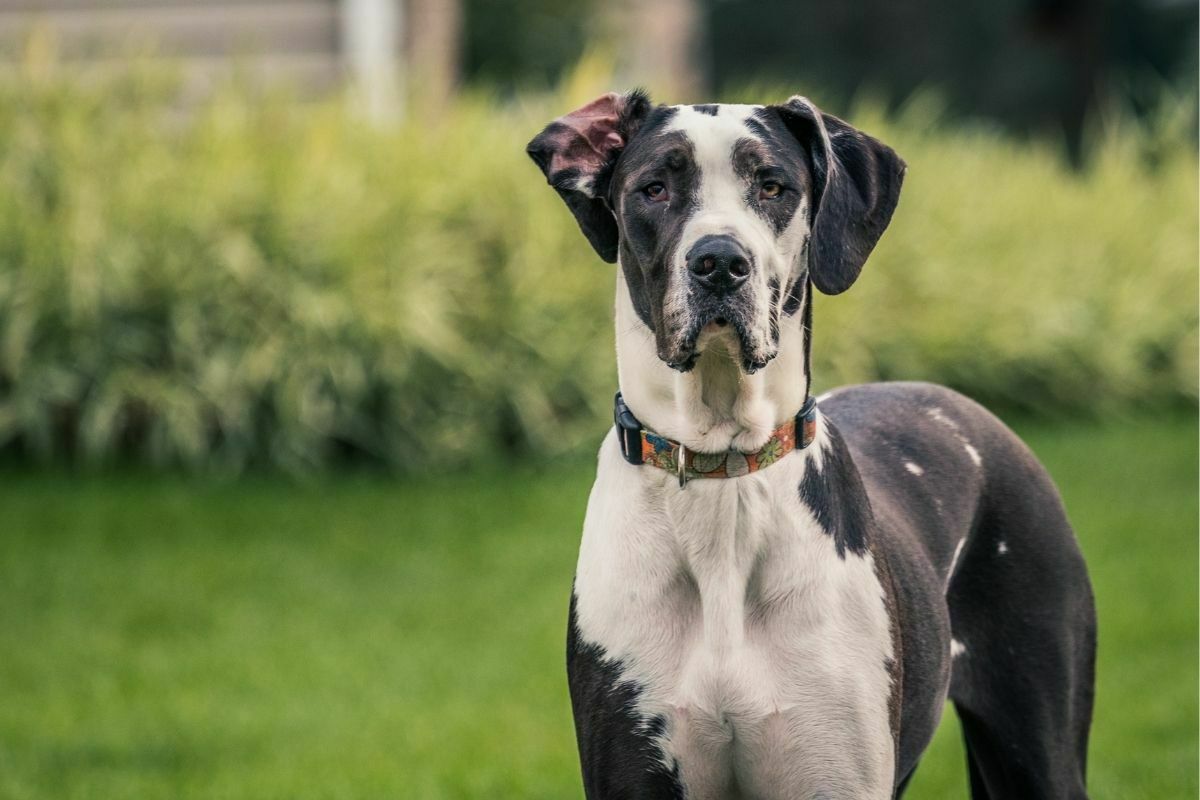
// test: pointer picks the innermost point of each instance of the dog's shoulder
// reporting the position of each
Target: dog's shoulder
(861, 403)
(908, 425)
(923, 453)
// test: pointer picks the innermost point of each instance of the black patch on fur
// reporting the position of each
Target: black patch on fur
(652, 230)
(795, 293)
(856, 186)
(773, 286)
(773, 156)
(560, 144)
(836, 496)
(706, 108)
(617, 748)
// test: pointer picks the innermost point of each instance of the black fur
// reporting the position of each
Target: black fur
(775, 155)
(856, 188)
(653, 230)
(1023, 687)
(594, 218)
(617, 745)
(836, 496)
(590, 208)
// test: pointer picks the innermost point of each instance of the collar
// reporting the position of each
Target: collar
(640, 446)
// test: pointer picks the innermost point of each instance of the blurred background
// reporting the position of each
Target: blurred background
(303, 367)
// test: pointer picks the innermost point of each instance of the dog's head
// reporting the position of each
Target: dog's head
(720, 213)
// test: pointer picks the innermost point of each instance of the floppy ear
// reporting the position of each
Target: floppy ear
(577, 153)
(856, 185)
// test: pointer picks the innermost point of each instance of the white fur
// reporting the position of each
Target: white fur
(730, 608)
(973, 453)
(954, 561)
(716, 406)
(937, 415)
(957, 648)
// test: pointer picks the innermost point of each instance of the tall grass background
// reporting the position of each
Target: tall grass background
(255, 281)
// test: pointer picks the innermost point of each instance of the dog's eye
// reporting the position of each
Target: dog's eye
(655, 191)
(770, 190)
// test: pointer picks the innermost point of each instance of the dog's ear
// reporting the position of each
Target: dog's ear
(856, 185)
(577, 153)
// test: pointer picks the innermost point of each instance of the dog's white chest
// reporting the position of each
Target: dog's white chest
(728, 608)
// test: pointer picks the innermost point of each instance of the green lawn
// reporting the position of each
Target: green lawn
(172, 638)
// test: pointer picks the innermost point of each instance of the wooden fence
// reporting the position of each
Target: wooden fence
(312, 44)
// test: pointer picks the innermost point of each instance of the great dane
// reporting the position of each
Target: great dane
(776, 594)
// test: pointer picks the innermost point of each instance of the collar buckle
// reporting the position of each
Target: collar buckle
(806, 423)
(629, 431)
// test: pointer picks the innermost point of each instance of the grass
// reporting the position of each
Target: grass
(172, 638)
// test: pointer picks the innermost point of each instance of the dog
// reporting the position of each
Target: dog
(776, 594)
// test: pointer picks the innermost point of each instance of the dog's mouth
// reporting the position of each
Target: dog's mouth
(727, 329)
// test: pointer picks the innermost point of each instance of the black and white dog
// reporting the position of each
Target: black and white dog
(774, 600)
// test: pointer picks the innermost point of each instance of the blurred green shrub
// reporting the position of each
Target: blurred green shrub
(260, 282)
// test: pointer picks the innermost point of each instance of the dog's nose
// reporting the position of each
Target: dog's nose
(718, 263)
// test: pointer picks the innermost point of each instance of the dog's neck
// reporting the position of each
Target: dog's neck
(715, 406)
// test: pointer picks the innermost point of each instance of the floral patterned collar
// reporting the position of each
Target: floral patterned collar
(640, 446)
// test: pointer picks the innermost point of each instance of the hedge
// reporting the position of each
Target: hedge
(262, 282)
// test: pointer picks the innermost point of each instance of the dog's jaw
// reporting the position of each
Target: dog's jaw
(716, 404)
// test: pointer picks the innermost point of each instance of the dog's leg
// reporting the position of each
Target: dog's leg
(903, 787)
(1024, 630)
(979, 790)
